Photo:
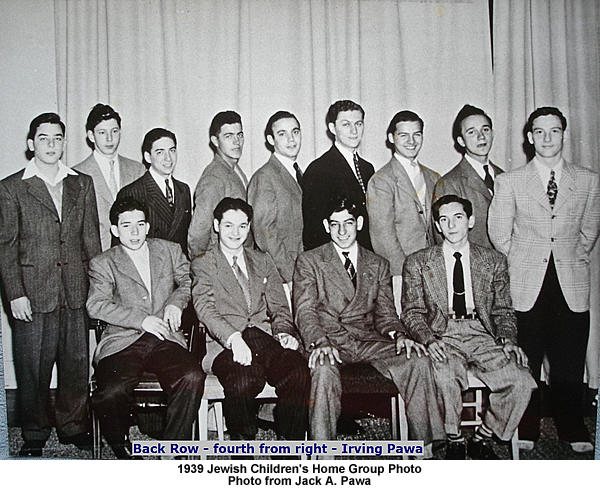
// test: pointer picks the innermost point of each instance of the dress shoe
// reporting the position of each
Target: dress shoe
(481, 450)
(456, 450)
(32, 448)
(582, 447)
(83, 440)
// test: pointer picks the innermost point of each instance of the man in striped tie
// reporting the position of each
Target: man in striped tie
(238, 295)
(344, 309)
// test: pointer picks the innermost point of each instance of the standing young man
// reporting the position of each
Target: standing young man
(48, 233)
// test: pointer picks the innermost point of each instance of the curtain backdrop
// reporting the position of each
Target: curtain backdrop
(547, 53)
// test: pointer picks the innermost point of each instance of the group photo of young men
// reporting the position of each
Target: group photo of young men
(297, 273)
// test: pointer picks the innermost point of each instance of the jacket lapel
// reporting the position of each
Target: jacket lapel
(100, 184)
(365, 275)
(403, 181)
(37, 188)
(127, 268)
(566, 186)
(227, 277)
(156, 274)
(481, 277)
(474, 181)
(334, 269)
(286, 179)
(535, 188)
(178, 211)
(435, 277)
(159, 202)
(71, 190)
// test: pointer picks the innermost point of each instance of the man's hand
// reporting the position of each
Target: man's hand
(403, 342)
(320, 353)
(287, 341)
(21, 309)
(172, 317)
(510, 346)
(436, 350)
(156, 326)
(241, 351)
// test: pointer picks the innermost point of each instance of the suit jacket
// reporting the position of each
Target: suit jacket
(277, 224)
(327, 177)
(399, 225)
(130, 171)
(41, 253)
(425, 293)
(170, 223)
(119, 297)
(326, 305)
(522, 225)
(220, 303)
(218, 180)
(464, 181)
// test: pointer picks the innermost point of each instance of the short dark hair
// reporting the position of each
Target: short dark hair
(154, 135)
(99, 113)
(222, 118)
(46, 118)
(126, 204)
(341, 106)
(231, 204)
(404, 116)
(277, 116)
(449, 199)
(340, 203)
(541, 111)
(466, 111)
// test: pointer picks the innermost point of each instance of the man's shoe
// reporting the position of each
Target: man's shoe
(582, 447)
(32, 448)
(83, 440)
(348, 426)
(481, 450)
(456, 450)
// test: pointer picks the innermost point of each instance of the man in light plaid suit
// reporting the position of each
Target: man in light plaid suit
(545, 216)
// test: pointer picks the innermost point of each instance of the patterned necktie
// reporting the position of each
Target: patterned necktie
(299, 174)
(243, 281)
(358, 175)
(552, 189)
(489, 183)
(349, 267)
(112, 180)
(458, 283)
(170, 198)
(419, 184)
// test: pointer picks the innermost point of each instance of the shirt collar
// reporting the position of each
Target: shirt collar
(346, 153)
(288, 163)
(160, 180)
(478, 166)
(139, 253)
(406, 163)
(544, 171)
(102, 159)
(32, 170)
(229, 254)
(353, 252)
(449, 251)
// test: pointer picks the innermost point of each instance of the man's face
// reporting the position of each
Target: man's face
(233, 229)
(343, 228)
(454, 223)
(162, 156)
(48, 143)
(477, 136)
(229, 142)
(348, 128)
(106, 136)
(547, 136)
(407, 139)
(286, 138)
(131, 229)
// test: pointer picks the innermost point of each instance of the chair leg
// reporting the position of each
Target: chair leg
(514, 445)
(394, 418)
(403, 422)
(218, 408)
(97, 435)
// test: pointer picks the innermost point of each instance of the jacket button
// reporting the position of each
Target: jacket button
(545, 260)
(58, 264)
(552, 239)
(145, 298)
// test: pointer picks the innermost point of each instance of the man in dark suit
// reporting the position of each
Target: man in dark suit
(399, 198)
(109, 170)
(140, 289)
(340, 171)
(48, 232)
(473, 178)
(545, 216)
(168, 200)
(275, 194)
(344, 309)
(222, 178)
(238, 295)
(456, 301)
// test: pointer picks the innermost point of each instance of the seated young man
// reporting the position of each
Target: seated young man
(456, 300)
(238, 295)
(139, 288)
(344, 309)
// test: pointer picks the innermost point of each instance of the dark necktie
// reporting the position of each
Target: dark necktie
(349, 267)
(489, 183)
(358, 175)
(552, 189)
(298, 173)
(458, 282)
(170, 198)
(243, 281)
